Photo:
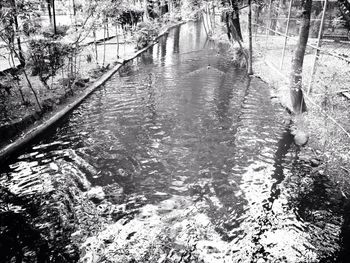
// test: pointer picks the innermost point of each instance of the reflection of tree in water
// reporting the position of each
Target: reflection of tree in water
(176, 48)
(126, 69)
(162, 44)
(198, 36)
(224, 95)
(344, 254)
(284, 145)
(225, 189)
(147, 56)
(151, 93)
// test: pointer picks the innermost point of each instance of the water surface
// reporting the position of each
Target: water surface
(194, 159)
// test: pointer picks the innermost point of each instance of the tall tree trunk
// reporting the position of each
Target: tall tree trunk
(146, 14)
(250, 62)
(32, 89)
(74, 8)
(49, 10)
(20, 52)
(297, 98)
(117, 35)
(104, 43)
(95, 45)
(54, 17)
(107, 28)
(233, 23)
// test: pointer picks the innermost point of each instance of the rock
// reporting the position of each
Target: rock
(85, 80)
(96, 194)
(37, 115)
(122, 172)
(304, 158)
(301, 138)
(315, 162)
(275, 100)
(261, 260)
(54, 167)
(80, 84)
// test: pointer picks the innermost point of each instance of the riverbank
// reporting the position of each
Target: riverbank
(326, 119)
(324, 167)
(19, 108)
(17, 134)
(327, 126)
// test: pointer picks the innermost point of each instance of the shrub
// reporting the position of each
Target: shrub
(46, 57)
(145, 34)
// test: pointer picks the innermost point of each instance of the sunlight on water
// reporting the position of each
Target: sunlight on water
(180, 156)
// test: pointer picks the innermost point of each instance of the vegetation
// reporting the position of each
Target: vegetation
(145, 33)
(51, 53)
(46, 57)
(44, 60)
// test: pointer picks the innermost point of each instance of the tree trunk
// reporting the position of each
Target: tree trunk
(49, 10)
(54, 17)
(104, 44)
(107, 28)
(21, 93)
(20, 52)
(297, 98)
(117, 36)
(250, 62)
(95, 45)
(146, 15)
(231, 19)
(74, 9)
(32, 89)
(233, 23)
(44, 82)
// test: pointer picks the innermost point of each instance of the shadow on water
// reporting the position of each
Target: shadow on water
(345, 234)
(283, 148)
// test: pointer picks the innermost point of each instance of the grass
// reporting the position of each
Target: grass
(327, 117)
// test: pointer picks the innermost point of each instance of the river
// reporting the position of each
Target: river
(179, 157)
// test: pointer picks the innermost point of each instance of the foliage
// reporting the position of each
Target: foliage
(46, 57)
(145, 33)
(6, 85)
(10, 11)
(61, 31)
(191, 9)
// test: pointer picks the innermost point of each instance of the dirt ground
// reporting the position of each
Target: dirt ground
(326, 120)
